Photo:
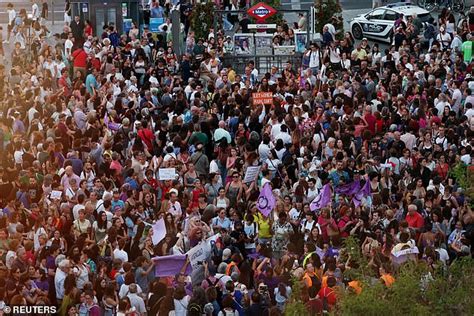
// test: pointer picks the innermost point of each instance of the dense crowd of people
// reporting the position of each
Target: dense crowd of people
(89, 123)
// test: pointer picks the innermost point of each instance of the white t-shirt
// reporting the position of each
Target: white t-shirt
(469, 113)
(59, 67)
(312, 193)
(444, 39)
(124, 290)
(275, 130)
(285, 137)
(11, 16)
(307, 227)
(457, 98)
(264, 151)
(175, 210)
(18, 155)
(443, 255)
(250, 230)
(82, 227)
(82, 276)
(181, 306)
(213, 166)
(40, 231)
(35, 11)
(466, 159)
(68, 44)
(137, 302)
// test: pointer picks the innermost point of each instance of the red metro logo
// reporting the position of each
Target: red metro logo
(261, 11)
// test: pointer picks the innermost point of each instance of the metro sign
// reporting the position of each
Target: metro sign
(261, 11)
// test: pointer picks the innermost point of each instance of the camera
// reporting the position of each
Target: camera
(262, 289)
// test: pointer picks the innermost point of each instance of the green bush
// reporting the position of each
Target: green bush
(416, 291)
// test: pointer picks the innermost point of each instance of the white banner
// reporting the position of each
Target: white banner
(199, 253)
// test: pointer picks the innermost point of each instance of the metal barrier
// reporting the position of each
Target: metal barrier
(262, 62)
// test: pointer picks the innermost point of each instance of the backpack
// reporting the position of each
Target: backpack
(325, 301)
(229, 313)
(194, 309)
(215, 284)
(304, 225)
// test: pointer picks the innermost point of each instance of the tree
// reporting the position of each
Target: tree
(324, 11)
(202, 19)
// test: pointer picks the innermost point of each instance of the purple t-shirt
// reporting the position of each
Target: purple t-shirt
(42, 285)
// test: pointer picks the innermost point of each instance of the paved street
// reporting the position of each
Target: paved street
(57, 5)
(346, 4)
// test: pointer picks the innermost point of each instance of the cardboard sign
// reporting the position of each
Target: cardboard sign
(159, 231)
(167, 173)
(55, 195)
(251, 174)
(262, 98)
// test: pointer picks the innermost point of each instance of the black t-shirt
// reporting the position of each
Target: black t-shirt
(28, 158)
(5, 190)
(236, 234)
(35, 192)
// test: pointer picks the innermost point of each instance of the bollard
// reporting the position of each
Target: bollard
(52, 12)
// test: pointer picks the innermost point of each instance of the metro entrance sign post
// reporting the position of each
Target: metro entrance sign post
(261, 11)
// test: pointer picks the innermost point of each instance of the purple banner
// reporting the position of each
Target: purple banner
(170, 265)
(349, 188)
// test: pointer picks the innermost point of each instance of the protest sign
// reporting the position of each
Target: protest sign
(251, 174)
(262, 98)
(199, 253)
(159, 231)
(167, 173)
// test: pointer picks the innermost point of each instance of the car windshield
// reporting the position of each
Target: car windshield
(424, 17)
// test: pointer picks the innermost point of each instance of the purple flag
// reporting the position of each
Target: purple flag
(106, 119)
(364, 192)
(349, 188)
(170, 265)
(323, 199)
(266, 201)
(111, 124)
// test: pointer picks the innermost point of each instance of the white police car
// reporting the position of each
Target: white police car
(378, 23)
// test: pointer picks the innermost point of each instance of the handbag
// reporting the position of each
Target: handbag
(333, 232)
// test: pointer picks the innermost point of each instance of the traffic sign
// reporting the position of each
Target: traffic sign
(261, 11)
